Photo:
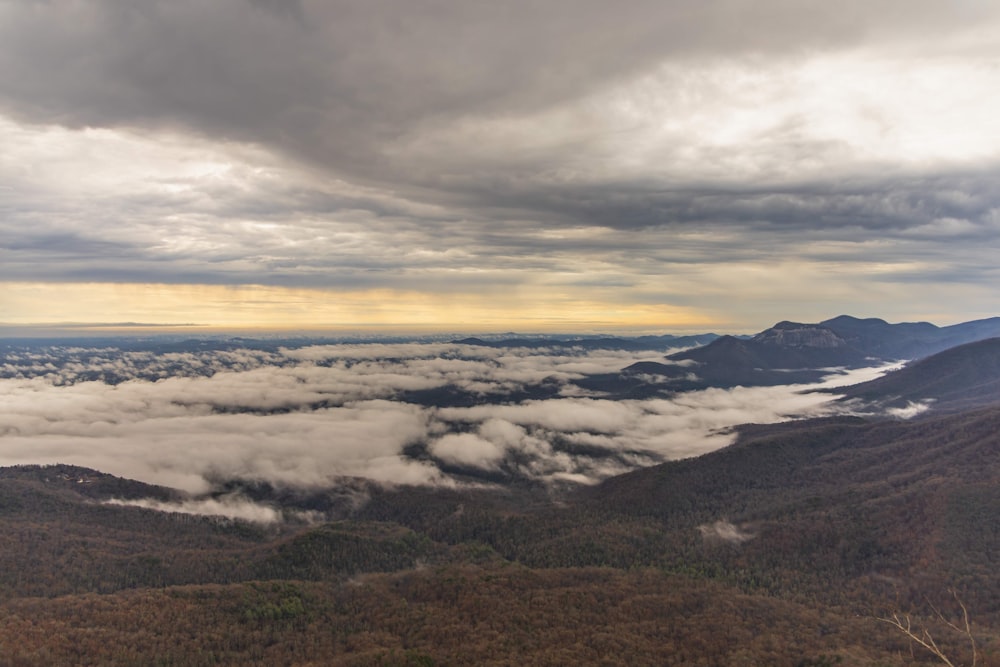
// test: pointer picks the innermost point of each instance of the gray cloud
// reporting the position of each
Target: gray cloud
(229, 66)
(573, 143)
(342, 84)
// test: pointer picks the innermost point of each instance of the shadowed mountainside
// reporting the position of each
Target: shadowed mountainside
(959, 378)
(791, 352)
(908, 340)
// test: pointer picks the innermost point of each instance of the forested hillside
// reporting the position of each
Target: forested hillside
(785, 548)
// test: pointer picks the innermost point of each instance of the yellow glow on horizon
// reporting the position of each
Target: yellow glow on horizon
(215, 307)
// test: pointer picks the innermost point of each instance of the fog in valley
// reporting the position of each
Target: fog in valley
(394, 413)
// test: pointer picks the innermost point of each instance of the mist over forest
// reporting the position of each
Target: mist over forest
(429, 413)
(568, 499)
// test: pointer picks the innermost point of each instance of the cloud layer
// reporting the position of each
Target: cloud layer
(306, 417)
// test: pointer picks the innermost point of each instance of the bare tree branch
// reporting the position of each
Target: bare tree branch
(923, 636)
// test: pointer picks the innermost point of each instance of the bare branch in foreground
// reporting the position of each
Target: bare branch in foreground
(923, 636)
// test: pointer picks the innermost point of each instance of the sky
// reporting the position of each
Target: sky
(568, 165)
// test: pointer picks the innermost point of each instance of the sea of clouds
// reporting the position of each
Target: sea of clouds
(312, 415)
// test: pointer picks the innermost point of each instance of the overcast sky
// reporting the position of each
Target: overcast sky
(559, 165)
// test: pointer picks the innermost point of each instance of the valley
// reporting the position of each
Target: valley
(790, 546)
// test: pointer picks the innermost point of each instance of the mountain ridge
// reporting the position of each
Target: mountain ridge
(794, 352)
(965, 376)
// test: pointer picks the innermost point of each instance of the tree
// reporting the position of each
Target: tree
(923, 636)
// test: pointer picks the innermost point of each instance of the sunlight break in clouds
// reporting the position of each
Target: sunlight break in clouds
(344, 309)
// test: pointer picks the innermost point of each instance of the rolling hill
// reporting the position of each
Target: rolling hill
(958, 378)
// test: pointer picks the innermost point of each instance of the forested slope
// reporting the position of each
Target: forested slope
(781, 549)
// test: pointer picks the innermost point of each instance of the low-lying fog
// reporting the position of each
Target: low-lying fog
(309, 415)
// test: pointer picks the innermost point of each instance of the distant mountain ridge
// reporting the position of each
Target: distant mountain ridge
(908, 340)
(596, 343)
(788, 346)
(796, 352)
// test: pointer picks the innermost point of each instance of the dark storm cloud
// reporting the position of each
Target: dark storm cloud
(877, 203)
(348, 84)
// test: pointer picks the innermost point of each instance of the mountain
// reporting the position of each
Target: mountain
(774, 468)
(792, 352)
(784, 354)
(900, 507)
(784, 548)
(958, 378)
(839, 341)
(786, 345)
(908, 340)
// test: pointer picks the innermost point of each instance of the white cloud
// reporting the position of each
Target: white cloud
(227, 506)
(333, 413)
(566, 414)
(911, 410)
(725, 531)
(466, 449)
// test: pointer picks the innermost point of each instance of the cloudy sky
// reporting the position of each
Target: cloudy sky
(559, 165)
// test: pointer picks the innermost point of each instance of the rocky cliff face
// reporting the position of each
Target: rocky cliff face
(791, 334)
